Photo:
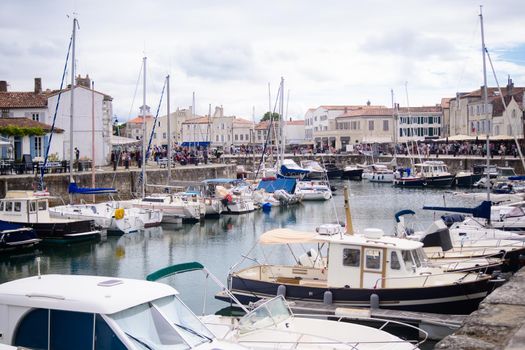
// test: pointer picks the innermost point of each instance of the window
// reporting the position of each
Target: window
(155, 135)
(1, 206)
(385, 125)
(32, 331)
(217, 138)
(35, 116)
(246, 137)
(164, 135)
(8, 206)
(71, 330)
(373, 259)
(241, 137)
(32, 207)
(407, 258)
(370, 125)
(42, 206)
(222, 138)
(38, 146)
(394, 261)
(236, 137)
(18, 206)
(351, 257)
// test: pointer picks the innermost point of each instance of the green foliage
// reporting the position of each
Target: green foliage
(13, 130)
(268, 115)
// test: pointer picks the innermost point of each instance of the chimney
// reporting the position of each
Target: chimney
(85, 82)
(368, 103)
(3, 86)
(38, 85)
(510, 86)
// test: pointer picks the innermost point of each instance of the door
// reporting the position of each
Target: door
(373, 267)
(18, 148)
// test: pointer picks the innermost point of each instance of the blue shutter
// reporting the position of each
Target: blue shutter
(46, 142)
(32, 146)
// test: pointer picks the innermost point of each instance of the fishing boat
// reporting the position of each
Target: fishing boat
(333, 171)
(435, 173)
(28, 209)
(407, 179)
(95, 312)
(270, 324)
(16, 237)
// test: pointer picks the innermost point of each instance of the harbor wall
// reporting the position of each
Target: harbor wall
(455, 164)
(499, 323)
(125, 181)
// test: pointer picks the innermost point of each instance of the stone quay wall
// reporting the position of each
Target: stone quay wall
(499, 323)
(455, 164)
(125, 181)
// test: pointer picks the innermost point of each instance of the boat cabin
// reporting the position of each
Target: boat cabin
(432, 168)
(93, 312)
(24, 207)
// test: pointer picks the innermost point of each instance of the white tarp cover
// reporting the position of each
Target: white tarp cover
(120, 140)
(285, 236)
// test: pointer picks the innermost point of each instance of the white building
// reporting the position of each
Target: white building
(420, 123)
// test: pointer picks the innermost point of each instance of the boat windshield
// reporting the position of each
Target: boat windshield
(165, 323)
(271, 313)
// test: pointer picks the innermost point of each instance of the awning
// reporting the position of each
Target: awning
(286, 236)
(120, 140)
(196, 144)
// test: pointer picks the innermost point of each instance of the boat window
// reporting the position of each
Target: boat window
(42, 205)
(32, 330)
(18, 206)
(373, 259)
(268, 314)
(144, 324)
(105, 338)
(1, 206)
(351, 257)
(32, 207)
(178, 313)
(407, 258)
(394, 261)
(8, 206)
(416, 258)
(71, 330)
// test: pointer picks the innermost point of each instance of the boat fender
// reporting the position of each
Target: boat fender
(327, 298)
(119, 213)
(281, 290)
(374, 301)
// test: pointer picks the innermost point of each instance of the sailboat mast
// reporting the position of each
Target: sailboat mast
(485, 101)
(144, 131)
(281, 124)
(72, 106)
(93, 136)
(394, 124)
(169, 126)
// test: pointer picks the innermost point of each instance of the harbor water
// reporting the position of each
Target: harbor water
(220, 243)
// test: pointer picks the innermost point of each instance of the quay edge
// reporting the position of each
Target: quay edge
(499, 323)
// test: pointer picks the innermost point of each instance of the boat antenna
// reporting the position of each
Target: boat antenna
(143, 177)
(485, 102)
(349, 226)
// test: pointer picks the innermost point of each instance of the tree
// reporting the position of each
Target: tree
(268, 115)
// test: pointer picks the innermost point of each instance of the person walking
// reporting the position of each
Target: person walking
(114, 160)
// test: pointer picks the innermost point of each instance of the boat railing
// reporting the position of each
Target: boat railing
(450, 266)
(425, 275)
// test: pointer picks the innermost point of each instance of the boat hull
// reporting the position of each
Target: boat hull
(410, 182)
(354, 174)
(439, 181)
(64, 232)
(467, 181)
(17, 239)
(462, 298)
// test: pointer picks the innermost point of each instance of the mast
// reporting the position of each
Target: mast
(144, 131)
(485, 101)
(394, 126)
(72, 107)
(281, 124)
(93, 136)
(169, 126)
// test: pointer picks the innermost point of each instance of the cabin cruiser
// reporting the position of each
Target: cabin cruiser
(435, 173)
(378, 173)
(234, 195)
(31, 209)
(16, 237)
(313, 190)
(352, 172)
(174, 208)
(95, 312)
(350, 269)
(333, 171)
(496, 174)
(213, 206)
(316, 171)
(110, 216)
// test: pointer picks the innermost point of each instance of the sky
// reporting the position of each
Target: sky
(329, 52)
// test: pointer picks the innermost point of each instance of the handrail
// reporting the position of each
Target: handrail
(420, 276)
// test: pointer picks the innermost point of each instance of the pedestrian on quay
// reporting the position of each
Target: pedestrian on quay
(77, 154)
(114, 160)
(138, 159)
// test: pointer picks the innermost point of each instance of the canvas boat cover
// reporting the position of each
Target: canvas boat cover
(288, 236)
(272, 185)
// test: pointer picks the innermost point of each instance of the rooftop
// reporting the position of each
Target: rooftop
(23, 100)
(140, 119)
(27, 123)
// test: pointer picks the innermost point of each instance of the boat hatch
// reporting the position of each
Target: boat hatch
(110, 283)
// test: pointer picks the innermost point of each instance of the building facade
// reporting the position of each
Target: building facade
(419, 123)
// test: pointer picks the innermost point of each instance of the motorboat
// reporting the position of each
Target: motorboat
(15, 237)
(316, 171)
(174, 208)
(31, 209)
(495, 174)
(110, 216)
(234, 195)
(315, 190)
(271, 324)
(289, 168)
(405, 178)
(353, 270)
(352, 172)
(466, 179)
(213, 206)
(378, 173)
(435, 173)
(95, 312)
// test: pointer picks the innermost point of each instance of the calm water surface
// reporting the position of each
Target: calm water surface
(219, 243)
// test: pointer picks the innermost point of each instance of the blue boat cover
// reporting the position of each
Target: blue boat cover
(517, 178)
(273, 185)
(196, 144)
(403, 212)
(481, 211)
(222, 181)
(73, 188)
(293, 171)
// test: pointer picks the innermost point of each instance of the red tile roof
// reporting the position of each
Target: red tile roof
(140, 119)
(241, 121)
(295, 122)
(22, 100)
(423, 109)
(497, 104)
(27, 123)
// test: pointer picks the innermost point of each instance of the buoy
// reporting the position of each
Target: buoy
(374, 301)
(119, 213)
(267, 207)
(327, 298)
(281, 290)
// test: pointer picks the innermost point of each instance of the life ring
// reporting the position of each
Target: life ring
(119, 213)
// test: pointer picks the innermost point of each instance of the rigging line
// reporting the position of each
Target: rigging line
(268, 133)
(55, 115)
(463, 69)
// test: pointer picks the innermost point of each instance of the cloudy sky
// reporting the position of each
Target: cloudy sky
(328, 51)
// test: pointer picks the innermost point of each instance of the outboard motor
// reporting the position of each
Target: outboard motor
(437, 235)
